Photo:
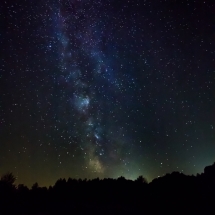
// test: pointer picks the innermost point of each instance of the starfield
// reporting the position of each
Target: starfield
(104, 89)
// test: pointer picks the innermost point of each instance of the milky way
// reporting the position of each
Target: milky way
(91, 83)
(104, 88)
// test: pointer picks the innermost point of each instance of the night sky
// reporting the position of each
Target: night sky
(106, 88)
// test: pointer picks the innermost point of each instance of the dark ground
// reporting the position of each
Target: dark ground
(174, 193)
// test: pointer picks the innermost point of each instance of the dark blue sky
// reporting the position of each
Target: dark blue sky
(104, 88)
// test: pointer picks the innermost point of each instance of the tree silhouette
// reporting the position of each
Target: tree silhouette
(141, 179)
(7, 193)
(8, 178)
(173, 192)
(35, 186)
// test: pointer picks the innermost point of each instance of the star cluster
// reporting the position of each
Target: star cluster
(106, 88)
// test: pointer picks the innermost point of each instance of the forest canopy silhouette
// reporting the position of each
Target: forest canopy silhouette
(174, 193)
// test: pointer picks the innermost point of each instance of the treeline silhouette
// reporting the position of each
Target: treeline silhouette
(173, 193)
